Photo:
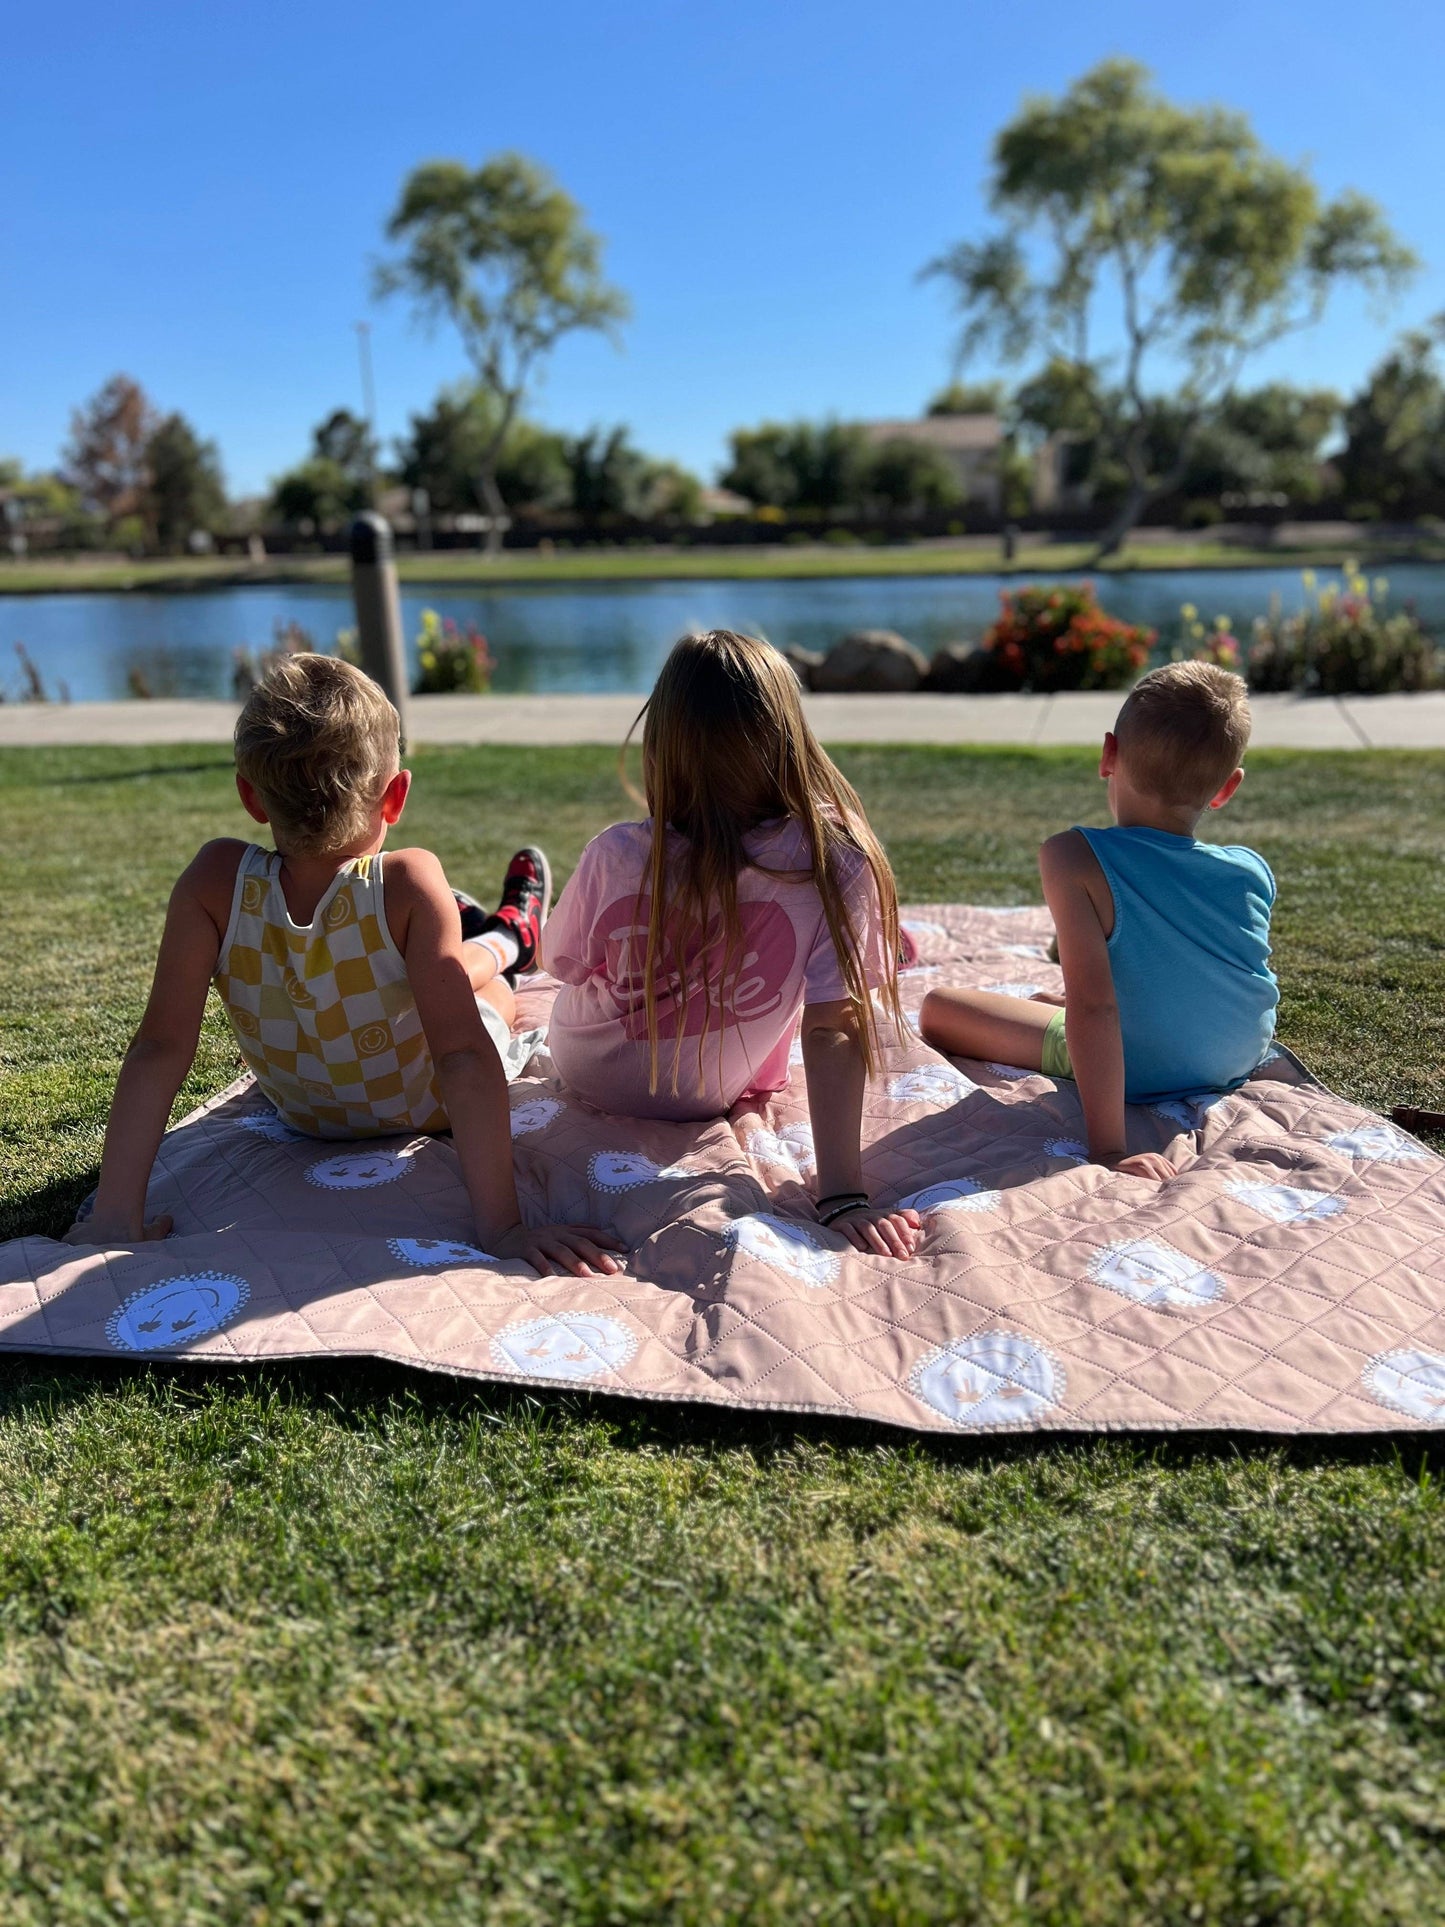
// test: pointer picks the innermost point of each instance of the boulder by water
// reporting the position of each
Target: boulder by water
(804, 664)
(874, 660)
(958, 668)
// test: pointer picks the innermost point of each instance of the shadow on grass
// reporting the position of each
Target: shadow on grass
(359, 1394)
(223, 766)
(49, 1210)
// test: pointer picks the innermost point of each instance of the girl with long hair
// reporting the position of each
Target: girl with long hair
(754, 902)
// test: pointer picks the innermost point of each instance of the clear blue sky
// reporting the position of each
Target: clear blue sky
(193, 195)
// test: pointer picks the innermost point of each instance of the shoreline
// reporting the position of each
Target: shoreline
(608, 569)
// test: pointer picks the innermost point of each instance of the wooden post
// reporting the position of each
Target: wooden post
(378, 607)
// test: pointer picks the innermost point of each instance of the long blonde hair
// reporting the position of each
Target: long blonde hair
(726, 747)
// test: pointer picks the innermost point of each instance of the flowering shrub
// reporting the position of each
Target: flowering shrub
(1059, 638)
(1218, 644)
(451, 658)
(1344, 642)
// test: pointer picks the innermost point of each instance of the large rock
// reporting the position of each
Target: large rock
(964, 669)
(871, 659)
(804, 663)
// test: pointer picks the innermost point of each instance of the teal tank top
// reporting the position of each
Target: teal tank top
(1190, 960)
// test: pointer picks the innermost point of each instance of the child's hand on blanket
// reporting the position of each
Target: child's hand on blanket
(885, 1234)
(578, 1249)
(93, 1231)
(1142, 1164)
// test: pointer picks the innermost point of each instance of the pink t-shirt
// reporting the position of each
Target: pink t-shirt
(596, 942)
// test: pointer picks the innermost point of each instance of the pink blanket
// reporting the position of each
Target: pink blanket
(1290, 1279)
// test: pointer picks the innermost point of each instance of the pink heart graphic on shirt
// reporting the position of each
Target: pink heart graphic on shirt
(758, 968)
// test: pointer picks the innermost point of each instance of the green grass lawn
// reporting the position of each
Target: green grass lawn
(462, 568)
(348, 1644)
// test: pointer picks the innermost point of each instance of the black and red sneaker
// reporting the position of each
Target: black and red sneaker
(526, 899)
(474, 915)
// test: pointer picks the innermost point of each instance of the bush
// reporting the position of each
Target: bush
(1344, 642)
(1218, 644)
(451, 659)
(1059, 638)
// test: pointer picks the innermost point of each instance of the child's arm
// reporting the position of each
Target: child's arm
(1091, 1015)
(162, 1050)
(422, 913)
(833, 1066)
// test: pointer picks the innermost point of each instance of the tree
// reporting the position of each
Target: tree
(969, 398)
(761, 467)
(533, 470)
(1206, 247)
(336, 479)
(319, 492)
(1263, 442)
(105, 461)
(912, 475)
(443, 452)
(443, 448)
(38, 493)
(1395, 427)
(503, 254)
(184, 490)
(346, 439)
(804, 465)
(609, 475)
(674, 490)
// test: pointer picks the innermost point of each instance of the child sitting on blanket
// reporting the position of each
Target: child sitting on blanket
(1163, 940)
(353, 996)
(755, 895)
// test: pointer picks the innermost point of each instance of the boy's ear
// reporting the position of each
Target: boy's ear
(1109, 754)
(1226, 790)
(393, 797)
(250, 801)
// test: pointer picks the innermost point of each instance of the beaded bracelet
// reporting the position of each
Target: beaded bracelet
(841, 1202)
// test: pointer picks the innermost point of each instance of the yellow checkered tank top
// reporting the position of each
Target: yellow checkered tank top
(323, 1013)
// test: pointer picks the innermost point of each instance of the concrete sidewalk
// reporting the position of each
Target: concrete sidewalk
(1280, 722)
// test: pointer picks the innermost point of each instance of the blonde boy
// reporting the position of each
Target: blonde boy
(1163, 940)
(353, 997)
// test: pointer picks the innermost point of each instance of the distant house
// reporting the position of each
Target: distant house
(713, 502)
(1061, 472)
(971, 445)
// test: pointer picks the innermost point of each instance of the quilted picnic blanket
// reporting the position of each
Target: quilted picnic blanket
(1290, 1279)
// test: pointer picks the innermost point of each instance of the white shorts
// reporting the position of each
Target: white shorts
(516, 1049)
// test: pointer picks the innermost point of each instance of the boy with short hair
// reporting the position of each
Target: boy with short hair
(354, 999)
(1163, 940)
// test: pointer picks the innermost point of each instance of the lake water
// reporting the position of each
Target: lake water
(596, 639)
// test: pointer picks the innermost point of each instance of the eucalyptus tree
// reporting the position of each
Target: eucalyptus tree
(1176, 230)
(504, 254)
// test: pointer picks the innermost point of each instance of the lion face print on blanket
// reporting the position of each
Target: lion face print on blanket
(1290, 1279)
